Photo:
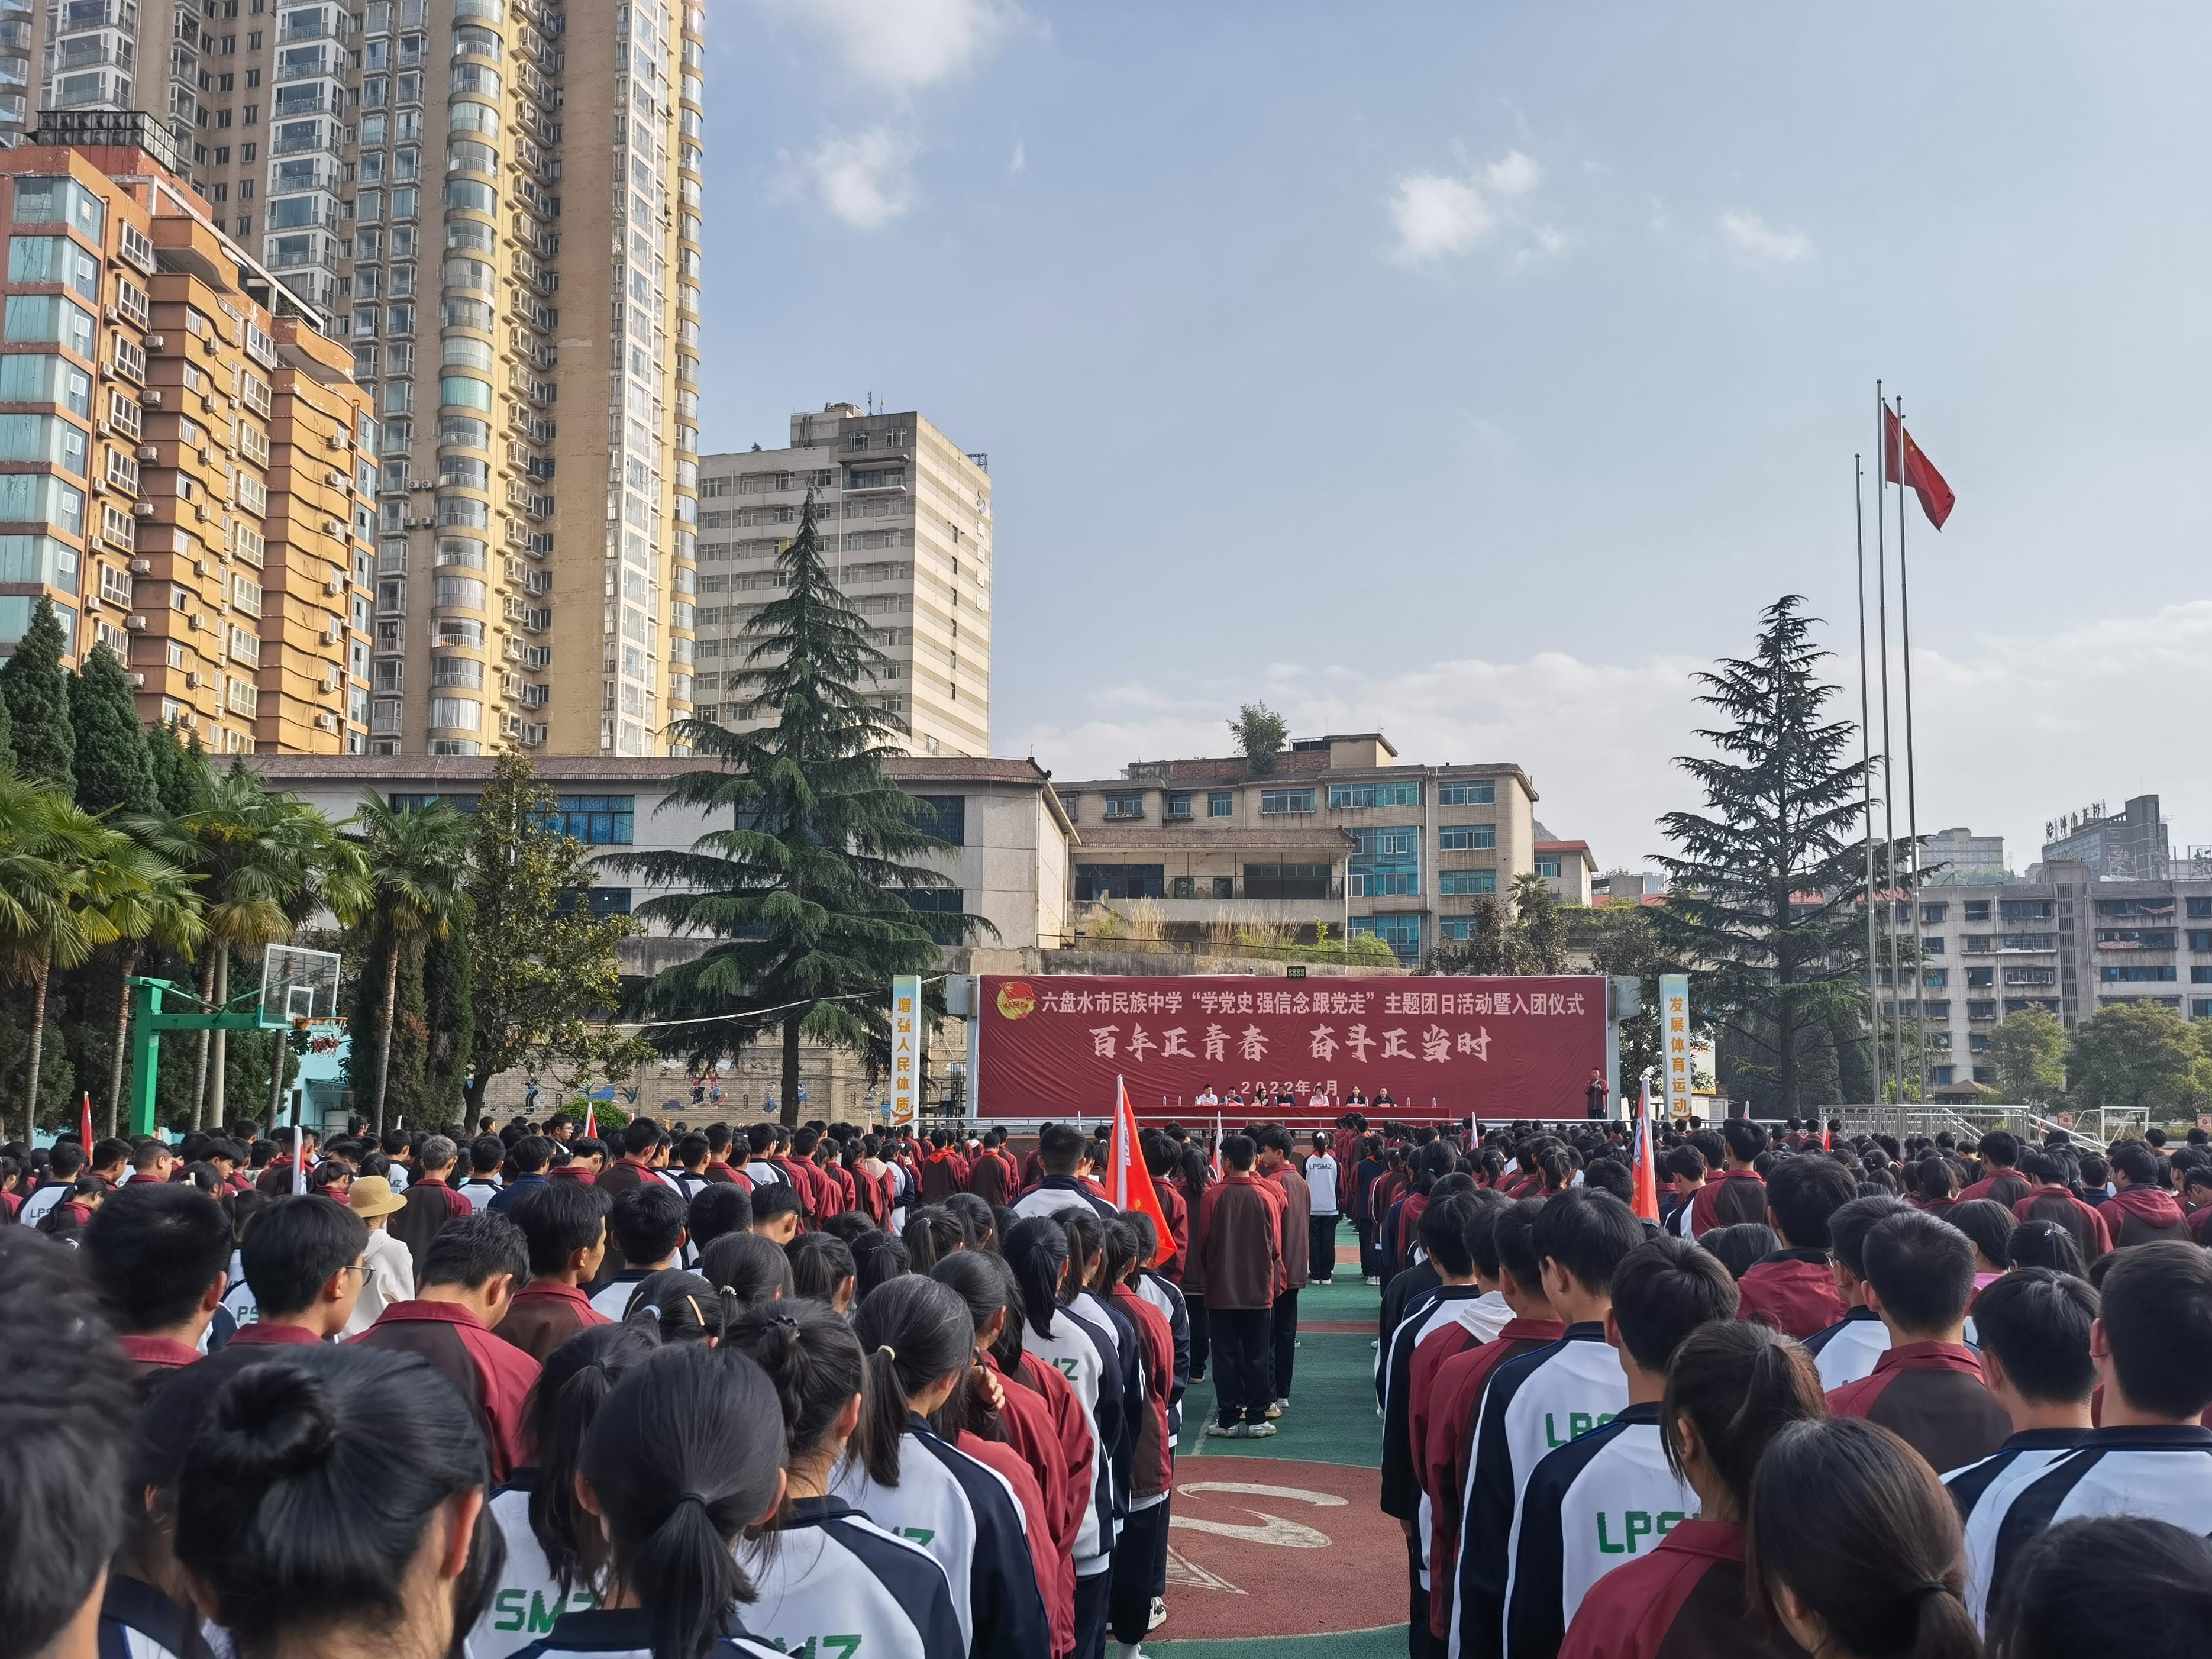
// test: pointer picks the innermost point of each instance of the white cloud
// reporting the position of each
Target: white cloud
(1020, 161)
(905, 44)
(1599, 738)
(1751, 236)
(1436, 214)
(866, 179)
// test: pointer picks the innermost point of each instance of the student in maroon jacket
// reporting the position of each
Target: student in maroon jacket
(1237, 1262)
(1928, 1388)
(2142, 1210)
(160, 1257)
(564, 1225)
(943, 1172)
(2053, 1200)
(991, 1176)
(1794, 1290)
(468, 1285)
(2000, 1155)
(1734, 1194)
(640, 1137)
(432, 1200)
(302, 1261)
(1273, 1162)
(1731, 1389)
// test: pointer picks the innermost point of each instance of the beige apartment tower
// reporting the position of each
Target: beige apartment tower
(905, 520)
(512, 251)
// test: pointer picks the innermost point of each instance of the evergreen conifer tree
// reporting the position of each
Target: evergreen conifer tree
(181, 774)
(1767, 887)
(114, 766)
(813, 891)
(35, 687)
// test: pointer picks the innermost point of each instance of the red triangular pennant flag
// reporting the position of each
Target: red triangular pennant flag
(1644, 1199)
(1913, 468)
(84, 1122)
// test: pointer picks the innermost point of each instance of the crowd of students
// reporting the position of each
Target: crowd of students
(1856, 1399)
(814, 1390)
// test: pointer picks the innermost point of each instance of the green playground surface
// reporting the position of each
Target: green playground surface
(1332, 1416)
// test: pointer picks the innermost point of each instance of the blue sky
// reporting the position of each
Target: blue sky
(1475, 371)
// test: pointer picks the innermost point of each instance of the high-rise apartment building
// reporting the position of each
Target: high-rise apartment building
(513, 250)
(181, 451)
(905, 520)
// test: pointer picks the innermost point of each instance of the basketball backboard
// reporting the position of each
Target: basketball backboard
(297, 985)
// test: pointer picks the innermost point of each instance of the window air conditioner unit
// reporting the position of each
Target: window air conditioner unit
(135, 623)
(332, 527)
(156, 342)
(333, 678)
(335, 440)
(332, 630)
(147, 452)
(151, 397)
(142, 509)
(198, 622)
(114, 315)
(335, 585)
(141, 567)
(325, 722)
(191, 681)
(138, 681)
(106, 429)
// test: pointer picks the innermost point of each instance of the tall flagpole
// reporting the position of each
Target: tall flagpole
(1888, 776)
(1912, 792)
(1866, 761)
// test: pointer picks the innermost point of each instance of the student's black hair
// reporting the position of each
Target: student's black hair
(486, 1154)
(1610, 1174)
(153, 1250)
(473, 1250)
(1685, 1161)
(2036, 1243)
(2036, 1321)
(577, 1379)
(745, 1269)
(1237, 1151)
(1744, 1139)
(879, 1258)
(1664, 1289)
(1587, 1235)
(819, 1264)
(913, 1331)
(680, 1304)
(1804, 1192)
(640, 1135)
(1849, 1227)
(2061, 1601)
(849, 1224)
(812, 1358)
(294, 1245)
(558, 1219)
(1442, 1228)
(1514, 1233)
(1740, 1383)
(1122, 1250)
(692, 1149)
(718, 1208)
(986, 1284)
(687, 1452)
(2134, 1160)
(1989, 1223)
(647, 1222)
(1060, 1148)
(2157, 1314)
(66, 1390)
(270, 1522)
(1037, 1252)
(1086, 1243)
(1481, 1233)
(1922, 1269)
(1148, 1237)
(2046, 1167)
(775, 1198)
(931, 1233)
(975, 1215)
(532, 1154)
(1742, 1246)
(1856, 1523)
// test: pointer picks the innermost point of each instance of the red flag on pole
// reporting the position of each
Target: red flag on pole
(1645, 1193)
(84, 1122)
(1130, 1186)
(590, 1120)
(1903, 463)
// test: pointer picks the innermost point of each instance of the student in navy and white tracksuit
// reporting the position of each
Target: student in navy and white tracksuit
(683, 1455)
(1609, 1496)
(1086, 1355)
(552, 1547)
(823, 1568)
(919, 1343)
(1848, 1349)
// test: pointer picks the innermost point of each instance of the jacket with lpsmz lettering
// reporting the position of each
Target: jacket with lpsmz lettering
(2160, 1474)
(1983, 1492)
(1682, 1599)
(1595, 1503)
(835, 1584)
(527, 1602)
(1532, 1406)
(965, 1515)
(1848, 1349)
(627, 1633)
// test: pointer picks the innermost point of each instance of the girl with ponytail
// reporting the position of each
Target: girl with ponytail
(556, 1552)
(918, 1344)
(821, 1567)
(746, 1270)
(1141, 1555)
(1855, 1548)
(1731, 1388)
(931, 1233)
(1084, 1350)
(685, 1453)
(1087, 1270)
(276, 1534)
(877, 1258)
(681, 1305)
(977, 1218)
(1011, 1428)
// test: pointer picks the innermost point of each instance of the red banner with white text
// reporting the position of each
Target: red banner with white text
(1052, 1045)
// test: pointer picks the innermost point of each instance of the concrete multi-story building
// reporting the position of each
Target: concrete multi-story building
(1950, 857)
(2130, 845)
(905, 519)
(179, 449)
(514, 252)
(107, 54)
(1338, 834)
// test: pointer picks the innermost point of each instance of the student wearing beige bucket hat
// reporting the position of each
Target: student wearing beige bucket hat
(388, 1270)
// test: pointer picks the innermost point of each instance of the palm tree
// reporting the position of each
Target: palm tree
(68, 884)
(415, 859)
(264, 855)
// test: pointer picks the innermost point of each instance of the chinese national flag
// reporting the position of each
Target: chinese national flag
(1130, 1183)
(1903, 463)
